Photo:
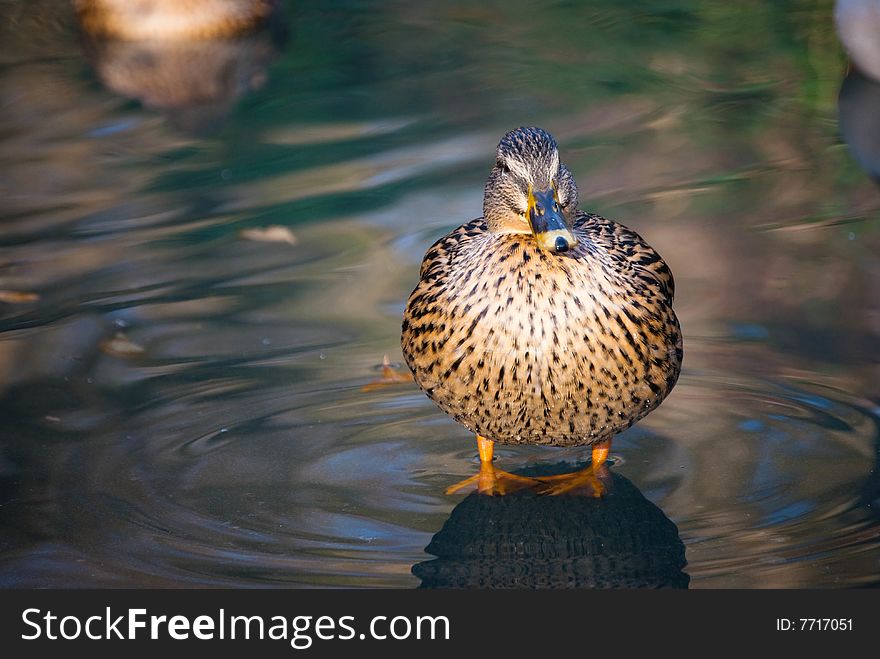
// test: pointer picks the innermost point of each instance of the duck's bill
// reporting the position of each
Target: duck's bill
(547, 222)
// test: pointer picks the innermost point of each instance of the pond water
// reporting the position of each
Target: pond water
(204, 257)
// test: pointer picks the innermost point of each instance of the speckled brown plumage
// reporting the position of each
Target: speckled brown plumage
(522, 344)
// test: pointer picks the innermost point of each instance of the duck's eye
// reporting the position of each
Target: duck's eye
(503, 167)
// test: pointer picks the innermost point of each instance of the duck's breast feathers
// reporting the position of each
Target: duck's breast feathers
(627, 250)
(523, 345)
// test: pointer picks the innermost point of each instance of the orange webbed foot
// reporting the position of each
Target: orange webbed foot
(496, 482)
(590, 480)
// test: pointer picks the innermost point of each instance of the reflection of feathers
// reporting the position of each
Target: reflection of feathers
(858, 109)
(205, 76)
(527, 541)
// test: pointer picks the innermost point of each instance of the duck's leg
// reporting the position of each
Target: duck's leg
(600, 452)
(490, 480)
(589, 478)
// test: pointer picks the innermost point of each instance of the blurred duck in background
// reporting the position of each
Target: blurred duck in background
(137, 20)
(190, 59)
(858, 103)
(858, 25)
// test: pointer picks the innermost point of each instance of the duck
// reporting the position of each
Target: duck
(192, 60)
(858, 26)
(171, 19)
(541, 324)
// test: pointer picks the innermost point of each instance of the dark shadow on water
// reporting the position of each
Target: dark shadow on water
(524, 540)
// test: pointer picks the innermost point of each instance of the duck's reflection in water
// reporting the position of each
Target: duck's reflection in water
(525, 540)
(858, 107)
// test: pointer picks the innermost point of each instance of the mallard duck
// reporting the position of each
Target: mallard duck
(171, 19)
(539, 323)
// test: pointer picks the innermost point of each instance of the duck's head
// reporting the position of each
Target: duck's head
(530, 191)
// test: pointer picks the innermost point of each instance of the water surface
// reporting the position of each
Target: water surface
(182, 397)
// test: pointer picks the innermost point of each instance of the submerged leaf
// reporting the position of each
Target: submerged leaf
(121, 346)
(270, 234)
(18, 297)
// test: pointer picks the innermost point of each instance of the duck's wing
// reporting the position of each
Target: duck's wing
(439, 255)
(629, 249)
